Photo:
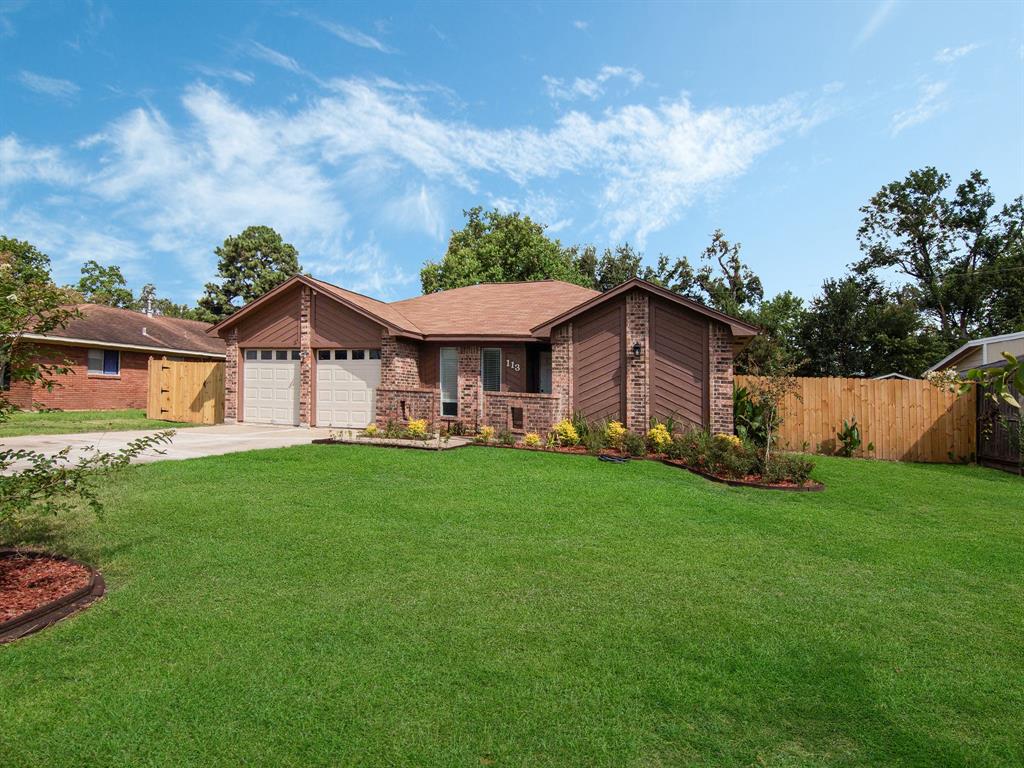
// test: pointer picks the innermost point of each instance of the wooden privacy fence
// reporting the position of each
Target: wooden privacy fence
(186, 390)
(906, 420)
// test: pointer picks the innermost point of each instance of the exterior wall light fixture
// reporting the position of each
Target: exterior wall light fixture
(636, 349)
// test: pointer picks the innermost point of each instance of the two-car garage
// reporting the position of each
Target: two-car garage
(346, 380)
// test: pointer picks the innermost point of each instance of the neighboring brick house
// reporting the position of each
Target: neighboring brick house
(517, 356)
(107, 351)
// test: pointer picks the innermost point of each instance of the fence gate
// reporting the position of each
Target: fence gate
(999, 436)
(186, 390)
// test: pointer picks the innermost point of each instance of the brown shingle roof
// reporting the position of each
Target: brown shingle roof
(491, 309)
(107, 325)
(388, 312)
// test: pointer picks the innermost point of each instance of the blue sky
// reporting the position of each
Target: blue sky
(143, 134)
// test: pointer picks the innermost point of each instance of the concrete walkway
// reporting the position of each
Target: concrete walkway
(189, 443)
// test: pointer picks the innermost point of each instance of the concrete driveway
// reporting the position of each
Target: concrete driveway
(189, 443)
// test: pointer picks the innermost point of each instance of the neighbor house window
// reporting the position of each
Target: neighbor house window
(104, 362)
(449, 381)
(490, 369)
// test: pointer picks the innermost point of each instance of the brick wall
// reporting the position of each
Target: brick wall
(561, 370)
(77, 390)
(231, 364)
(399, 363)
(720, 355)
(306, 359)
(540, 411)
(637, 368)
(470, 388)
(402, 405)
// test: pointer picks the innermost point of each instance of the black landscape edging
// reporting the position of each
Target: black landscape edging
(52, 612)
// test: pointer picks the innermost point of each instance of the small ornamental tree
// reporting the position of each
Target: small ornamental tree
(766, 393)
(34, 484)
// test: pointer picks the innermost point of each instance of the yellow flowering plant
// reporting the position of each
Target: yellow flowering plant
(566, 433)
(370, 431)
(531, 440)
(485, 434)
(615, 434)
(659, 438)
(418, 429)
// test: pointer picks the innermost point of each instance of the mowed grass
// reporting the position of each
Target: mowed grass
(349, 605)
(67, 422)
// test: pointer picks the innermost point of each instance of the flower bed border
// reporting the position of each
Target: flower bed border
(52, 612)
(813, 487)
(575, 450)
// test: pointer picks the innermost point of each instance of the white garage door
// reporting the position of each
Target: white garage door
(271, 386)
(346, 383)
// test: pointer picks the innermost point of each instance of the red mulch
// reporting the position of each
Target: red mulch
(27, 583)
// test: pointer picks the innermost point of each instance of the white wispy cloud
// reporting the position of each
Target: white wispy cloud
(48, 86)
(275, 58)
(930, 102)
(590, 88)
(20, 163)
(875, 21)
(176, 188)
(226, 73)
(949, 55)
(580, 24)
(352, 36)
(419, 211)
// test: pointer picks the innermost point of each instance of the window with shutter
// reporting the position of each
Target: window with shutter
(449, 381)
(490, 369)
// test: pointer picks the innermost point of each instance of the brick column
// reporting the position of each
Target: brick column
(721, 378)
(305, 359)
(231, 377)
(470, 387)
(399, 363)
(561, 369)
(638, 388)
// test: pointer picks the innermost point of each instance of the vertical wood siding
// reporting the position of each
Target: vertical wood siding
(906, 420)
(598, 368)
(183, 390)
(679, 364)
(274, 325)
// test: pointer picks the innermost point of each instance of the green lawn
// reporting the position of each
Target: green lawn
(348, 605)
(66, 422)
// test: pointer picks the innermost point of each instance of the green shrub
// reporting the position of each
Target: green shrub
(787, 468)
(506, 438)
(392, 429)
(580, 424)
(850, 440)
(595, 441)
(634, 444)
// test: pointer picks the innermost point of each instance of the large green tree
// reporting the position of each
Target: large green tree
(249, 265)
(104, 285)
(496, 247)
(148, 301)
(858, 327)
(948, 243)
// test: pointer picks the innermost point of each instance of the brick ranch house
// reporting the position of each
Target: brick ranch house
(516, 356)
(108, 352)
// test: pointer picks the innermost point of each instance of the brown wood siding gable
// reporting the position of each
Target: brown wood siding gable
(679, 364)
(598, 362)
(337, 326)
(274, 325)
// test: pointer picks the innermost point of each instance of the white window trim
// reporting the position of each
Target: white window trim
(440, 382)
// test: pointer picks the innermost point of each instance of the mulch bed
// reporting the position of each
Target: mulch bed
(38, 588)
(752, 481)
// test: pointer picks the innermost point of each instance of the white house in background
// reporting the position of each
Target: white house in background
(979, 352)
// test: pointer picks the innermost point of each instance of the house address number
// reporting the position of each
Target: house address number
(511, 364)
